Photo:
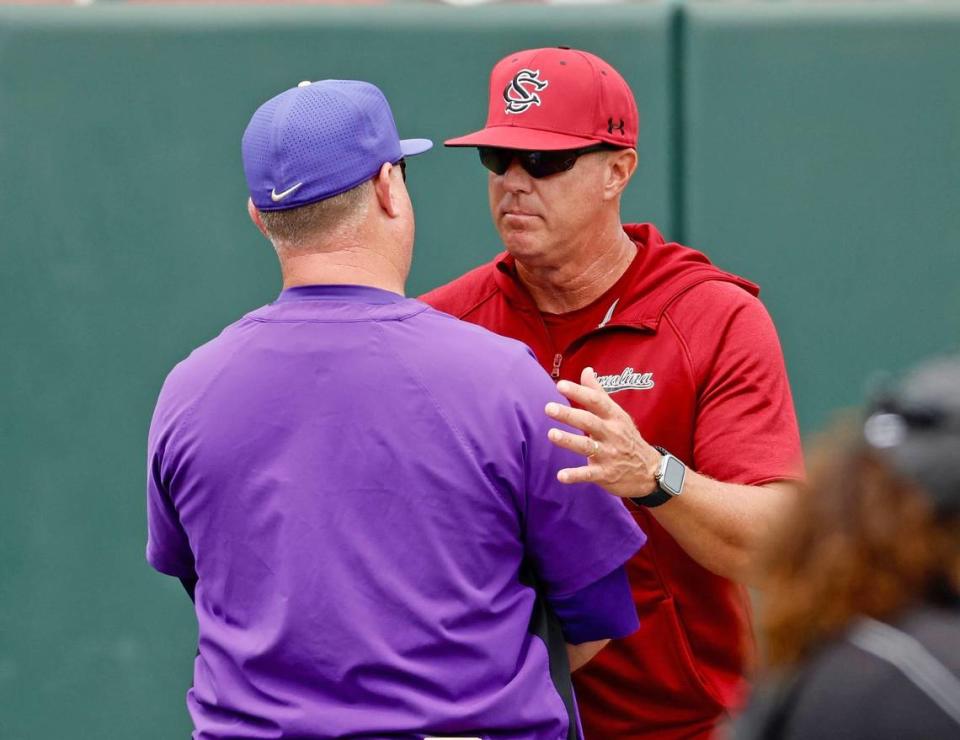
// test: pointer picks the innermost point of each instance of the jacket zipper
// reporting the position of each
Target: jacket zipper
(558, 357)
(557, 361)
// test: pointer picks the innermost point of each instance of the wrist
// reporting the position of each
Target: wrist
(668, 479)
(650, 459)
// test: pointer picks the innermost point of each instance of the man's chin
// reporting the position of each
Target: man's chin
(521, 243)
(523, 250)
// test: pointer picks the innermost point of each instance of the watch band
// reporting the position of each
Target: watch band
(658, 497)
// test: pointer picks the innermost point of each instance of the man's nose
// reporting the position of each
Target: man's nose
(516, 179)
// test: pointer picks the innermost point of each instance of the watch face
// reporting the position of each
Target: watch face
(673, 474)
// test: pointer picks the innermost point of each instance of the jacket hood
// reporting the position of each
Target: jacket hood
(663, 272)
(667, 270)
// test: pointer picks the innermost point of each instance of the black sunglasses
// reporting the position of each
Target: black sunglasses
(537, 164)
(403, 168)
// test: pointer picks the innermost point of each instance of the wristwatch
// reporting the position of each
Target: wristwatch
(669, 478)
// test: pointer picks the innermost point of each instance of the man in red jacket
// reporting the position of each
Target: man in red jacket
(690, 363)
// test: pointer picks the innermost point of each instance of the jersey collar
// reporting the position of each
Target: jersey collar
(342, 293)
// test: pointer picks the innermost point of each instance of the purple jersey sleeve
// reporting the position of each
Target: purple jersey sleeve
(602, 610)
(167, 547)
(575, 534)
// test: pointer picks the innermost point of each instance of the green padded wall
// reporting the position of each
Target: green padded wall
(813, 148)
(822, 159)
(125, 243)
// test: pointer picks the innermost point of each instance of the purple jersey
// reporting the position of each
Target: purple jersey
(357, 482)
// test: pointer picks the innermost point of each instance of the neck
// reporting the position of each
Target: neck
(351, 265)
(595, 265)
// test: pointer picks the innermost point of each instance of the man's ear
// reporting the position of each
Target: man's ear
(255, 217)
(387, 190)
(621, 164)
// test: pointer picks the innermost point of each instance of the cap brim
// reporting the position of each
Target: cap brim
(410, 147)
(515, 137)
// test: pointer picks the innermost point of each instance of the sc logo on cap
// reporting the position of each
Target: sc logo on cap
(521, 92)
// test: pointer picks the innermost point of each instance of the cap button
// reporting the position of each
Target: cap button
(305, 83)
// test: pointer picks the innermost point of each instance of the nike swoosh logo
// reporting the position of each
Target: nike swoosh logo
(277, 197)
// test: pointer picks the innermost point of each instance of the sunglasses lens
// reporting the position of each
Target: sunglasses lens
(495, 160)
(403, 168)
(544, 164)
(537, 164)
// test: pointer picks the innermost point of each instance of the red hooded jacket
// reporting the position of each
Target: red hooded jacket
(690, 352)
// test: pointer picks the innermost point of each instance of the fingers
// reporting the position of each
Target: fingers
(590, 394)
(588, 377)
(617, 455)
(583, 474)
(585, 421)
(574, 442)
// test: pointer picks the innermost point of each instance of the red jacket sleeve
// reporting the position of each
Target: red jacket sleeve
(746, 426)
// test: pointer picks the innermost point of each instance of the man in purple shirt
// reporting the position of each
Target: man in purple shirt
(358, 491)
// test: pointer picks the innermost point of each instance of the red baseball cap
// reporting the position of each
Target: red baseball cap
(556, 98)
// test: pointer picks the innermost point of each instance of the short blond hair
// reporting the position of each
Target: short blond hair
(295, 227)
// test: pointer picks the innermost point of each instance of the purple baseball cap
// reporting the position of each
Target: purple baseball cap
(318, 140)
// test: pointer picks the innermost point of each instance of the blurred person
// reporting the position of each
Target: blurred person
(360, 523)
(689, 411)
(861, 614)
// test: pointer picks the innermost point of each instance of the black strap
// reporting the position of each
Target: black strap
(545, 625)
(653, 500)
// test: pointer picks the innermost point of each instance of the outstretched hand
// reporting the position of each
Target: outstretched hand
(618, 457)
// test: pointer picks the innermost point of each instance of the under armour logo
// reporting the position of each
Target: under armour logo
(611, 128)
(521, 92)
